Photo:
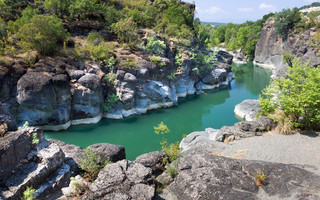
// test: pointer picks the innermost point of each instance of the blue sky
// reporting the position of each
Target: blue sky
(238, 11)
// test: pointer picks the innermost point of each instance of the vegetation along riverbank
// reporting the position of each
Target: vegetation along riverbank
(66, 63)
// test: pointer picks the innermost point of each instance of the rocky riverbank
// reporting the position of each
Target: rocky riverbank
(211, 167)
(58, 92)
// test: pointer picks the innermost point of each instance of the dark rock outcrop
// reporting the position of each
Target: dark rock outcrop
(109, 152)
(206, 176)
(26, 162)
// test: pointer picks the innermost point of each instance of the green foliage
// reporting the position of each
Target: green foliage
(25, 18)
(203, 62)
(35, 139)
(84, 8)
(157, 60)
(100, 52)
(286, 21)
(90, 162)
(156, 46)
(172, 171)
(25, 126)
(173, 150)
(94, 35)
(111, 15)
(161, 129)
(128, 64)
(43, 33)
(28, 194)
(298, 96)
(178, 59)
(260, 178)
(234, 36)
(126, 30)
(58, 7)
(109, 102)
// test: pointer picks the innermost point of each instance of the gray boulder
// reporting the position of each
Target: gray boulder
(153, 160)
(110, 152)
(122, 180)
(248, 109)
(72, 154)
(210, 177)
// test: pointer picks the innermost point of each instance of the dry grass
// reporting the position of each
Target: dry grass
(285, 125)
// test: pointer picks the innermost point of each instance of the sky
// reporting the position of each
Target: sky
(239, 11)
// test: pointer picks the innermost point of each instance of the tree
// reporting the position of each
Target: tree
(43, 33)
(297, 96)
(58, 7)
(26, 16)
(286, 21)
(126, 29)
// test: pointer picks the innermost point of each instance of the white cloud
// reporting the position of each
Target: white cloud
(245, 10)
(214, 10)
(267, 7)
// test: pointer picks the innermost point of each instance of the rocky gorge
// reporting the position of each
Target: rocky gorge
(54, 94)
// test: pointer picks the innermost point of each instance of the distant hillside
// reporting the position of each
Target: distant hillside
(216, 24)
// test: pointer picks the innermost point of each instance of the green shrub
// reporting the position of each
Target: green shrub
(100, 52)
(128, 64)
(110, 100)
(28, 194)
(173, 150)
(298, 96)
(43, 33)
(156, 46)
(172, 171)
(94, 35)
(126, 30)
(90, 162)
(157, 60)
(58, 7)
(26, 16)
(81, 9)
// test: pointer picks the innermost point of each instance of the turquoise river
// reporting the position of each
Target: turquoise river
(194, 113)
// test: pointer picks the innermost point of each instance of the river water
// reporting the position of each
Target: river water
(194, 113)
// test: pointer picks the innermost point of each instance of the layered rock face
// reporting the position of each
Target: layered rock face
(270, 46)
(149, 87)
(58, 92)
(27, 163)
(28, 160)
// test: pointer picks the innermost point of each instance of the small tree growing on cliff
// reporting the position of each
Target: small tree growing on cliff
(173, 150)
(286, 20)
(43, 33)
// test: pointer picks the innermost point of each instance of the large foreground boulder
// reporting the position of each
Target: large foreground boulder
(122, 180)
(206, 176)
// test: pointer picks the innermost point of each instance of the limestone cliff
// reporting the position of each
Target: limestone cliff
(270, 46)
